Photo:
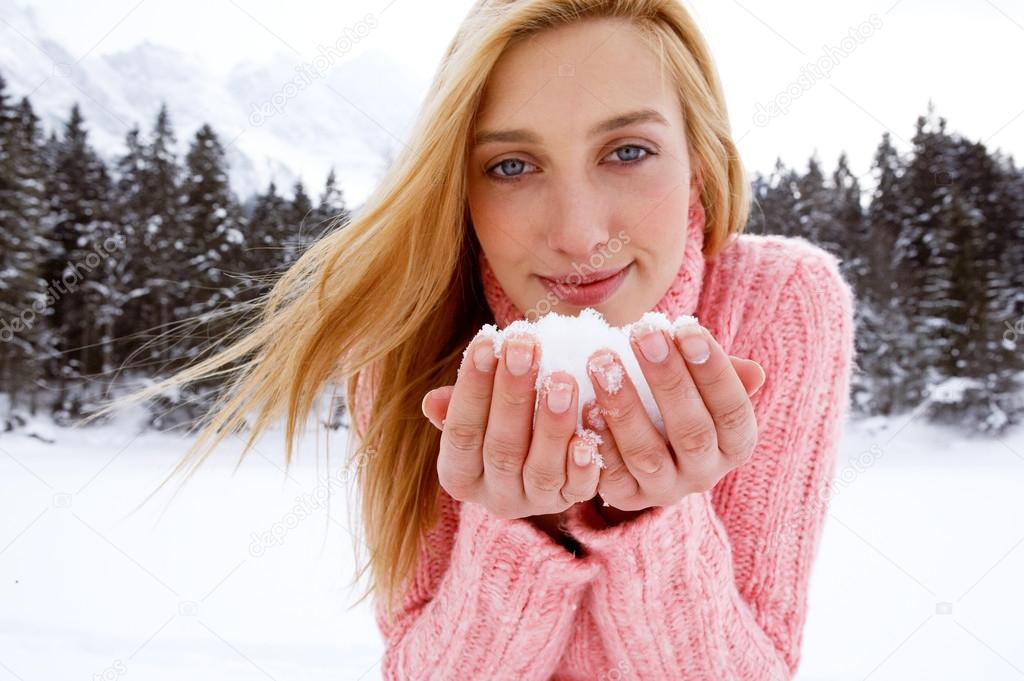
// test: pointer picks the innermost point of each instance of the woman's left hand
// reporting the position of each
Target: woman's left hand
(706, 408)
(707, 413)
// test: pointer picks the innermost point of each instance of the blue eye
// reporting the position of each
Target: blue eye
(635, 147)
(510, 165)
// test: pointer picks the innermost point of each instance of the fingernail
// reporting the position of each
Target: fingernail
(596, 418)
(583, 453)
(519, 356)
(607, 371)
(653, 346)
(483, 357)
(559, 396)
(759, 385)
(694, 346)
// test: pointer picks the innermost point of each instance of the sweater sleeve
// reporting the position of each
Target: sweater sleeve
(715, 586)
(500, 606)
(491, 599)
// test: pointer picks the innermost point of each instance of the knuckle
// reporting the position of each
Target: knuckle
(735, 417)
(547, 437)
(675, 384)
(617, 473)
(463, 438)
(543, 479)
(743, 452)
(503, 457)
(477, 386)
(478, 389)
(696, 441)
(700, 482)
(720, 377)
(649, 459)
(511, 399)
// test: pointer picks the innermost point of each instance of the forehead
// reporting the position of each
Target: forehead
(561, 80)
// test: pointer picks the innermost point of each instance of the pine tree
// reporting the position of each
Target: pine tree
(848, 231)
(269, 229)
(83, 241)
(331, 212)
(212, 221)
(878, 383)
(130, 275)
(813, 208)
(302, 231)
(24, 335)
(775, 200)
(162, 238)
(978, 215)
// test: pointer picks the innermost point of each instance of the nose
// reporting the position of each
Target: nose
(577, 217)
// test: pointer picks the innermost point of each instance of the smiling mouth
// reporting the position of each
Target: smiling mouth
(593, 292)
(575, 280)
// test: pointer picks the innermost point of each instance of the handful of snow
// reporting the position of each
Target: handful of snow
(566, 343)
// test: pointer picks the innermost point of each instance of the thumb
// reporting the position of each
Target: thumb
(750, 372)
(435, 404)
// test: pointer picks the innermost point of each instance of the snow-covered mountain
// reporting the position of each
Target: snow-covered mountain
(280, 120)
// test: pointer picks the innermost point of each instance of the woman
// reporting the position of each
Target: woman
(566, 142)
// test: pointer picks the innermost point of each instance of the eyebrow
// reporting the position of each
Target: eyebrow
(529, 137)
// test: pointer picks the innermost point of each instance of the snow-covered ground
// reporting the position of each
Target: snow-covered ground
(246, 574)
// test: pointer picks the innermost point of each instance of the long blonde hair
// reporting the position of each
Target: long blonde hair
(388, 303)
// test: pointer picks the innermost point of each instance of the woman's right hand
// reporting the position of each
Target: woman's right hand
(493, 453)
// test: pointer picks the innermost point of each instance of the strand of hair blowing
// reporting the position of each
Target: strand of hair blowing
(387, 304)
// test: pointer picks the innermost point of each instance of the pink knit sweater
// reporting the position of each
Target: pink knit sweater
(713, 587)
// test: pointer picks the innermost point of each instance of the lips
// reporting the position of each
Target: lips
(576, 279)
(594, 292)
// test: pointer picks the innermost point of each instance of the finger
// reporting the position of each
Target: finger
(689, 426)
(584, 467)
(750, 372)
(616, 482)
(641, 445)
(510, 422)
(545, 471)
(435, 405)
(721, 389)
(460, 461)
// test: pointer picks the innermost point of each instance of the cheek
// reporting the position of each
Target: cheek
(658, 241)
(655, 213)
(502, 224)
(662, 181)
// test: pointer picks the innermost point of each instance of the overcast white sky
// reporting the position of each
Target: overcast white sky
(966, 55)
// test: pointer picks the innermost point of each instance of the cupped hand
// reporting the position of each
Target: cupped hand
(495, 449)
(704, 401)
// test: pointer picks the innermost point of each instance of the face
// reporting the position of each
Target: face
(580, 171)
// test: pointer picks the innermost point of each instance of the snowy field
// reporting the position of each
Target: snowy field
(246, 574)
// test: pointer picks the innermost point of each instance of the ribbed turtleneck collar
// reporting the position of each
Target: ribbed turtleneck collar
(681, 298)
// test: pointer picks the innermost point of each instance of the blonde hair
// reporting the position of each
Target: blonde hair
(388, 303)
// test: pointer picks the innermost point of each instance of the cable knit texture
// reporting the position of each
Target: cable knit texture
(712, 588)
